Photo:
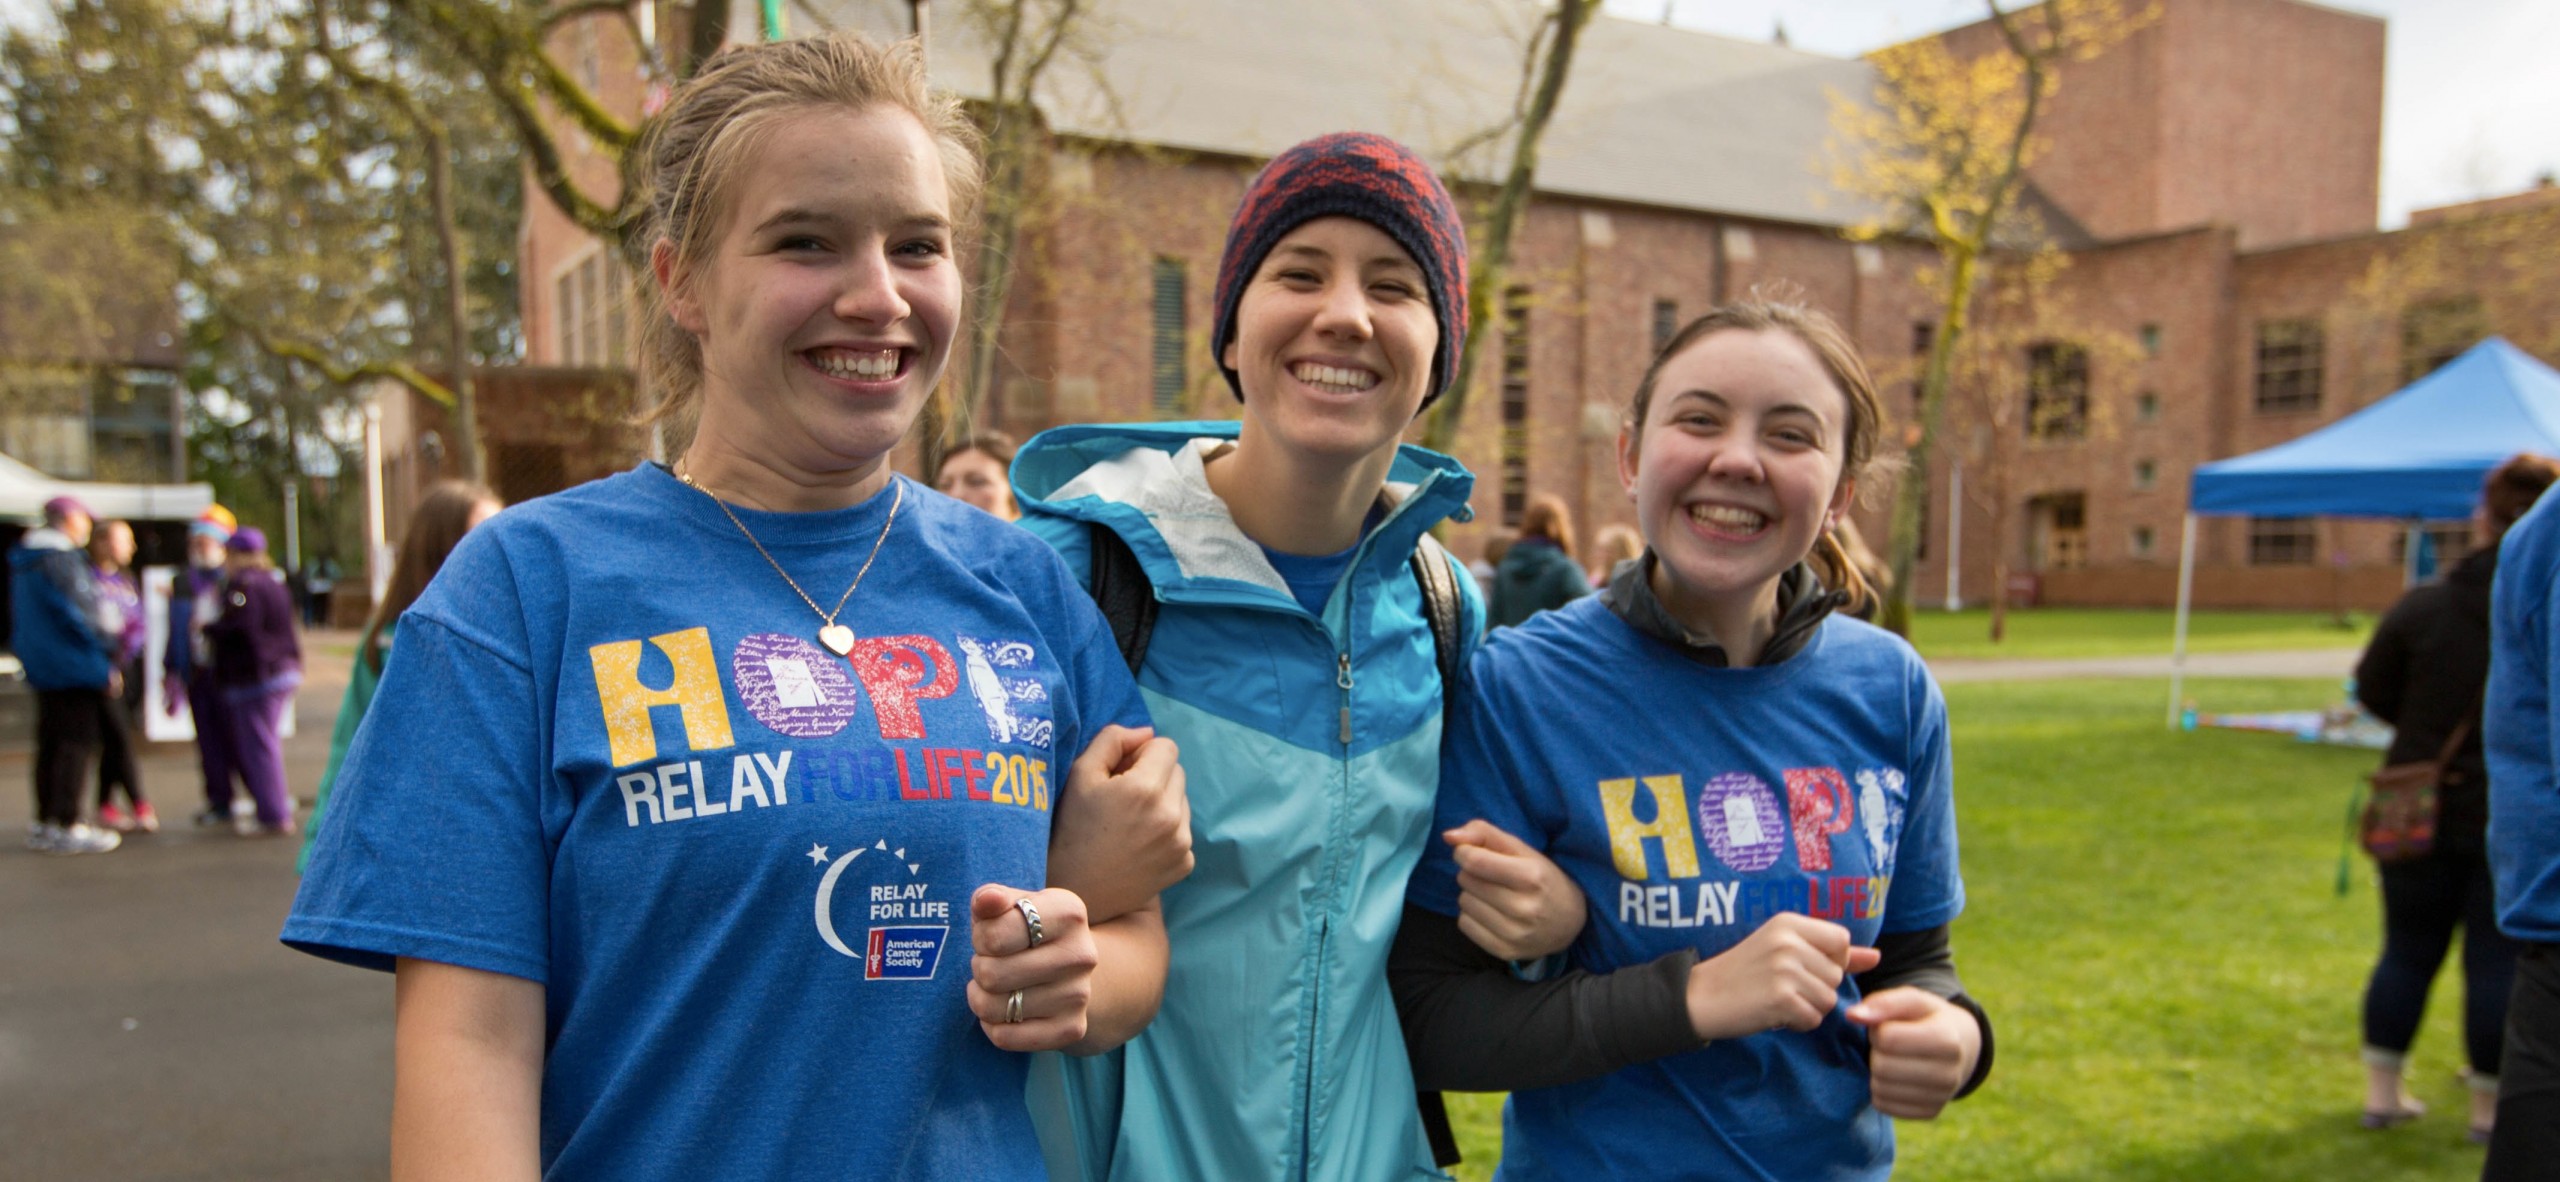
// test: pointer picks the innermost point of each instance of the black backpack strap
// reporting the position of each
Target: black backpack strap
(1435, 1127)
(1120, 587)
(1445, 610)
(1442, 607)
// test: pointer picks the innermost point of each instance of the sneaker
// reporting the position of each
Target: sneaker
(82, 839)
(42, 837)
(111, 817)
(146, 818)
(244, 816)
(210, 818)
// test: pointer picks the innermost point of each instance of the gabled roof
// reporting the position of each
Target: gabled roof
(2421, 452)
(1651, 114)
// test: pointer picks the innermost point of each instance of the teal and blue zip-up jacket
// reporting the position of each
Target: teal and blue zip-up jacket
(1311, 746)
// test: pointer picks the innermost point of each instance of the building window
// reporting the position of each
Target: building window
(2146, 407)
(2283, 541)
(1515, 404)
(2450, 541)
(2288, 366)
(1170, 380)
(2437, 331)
(2151, 340)
(2142, 541)
(1666, 322)
(2057, 391)
(2145, 474)
(590, 305)
(2058, 531)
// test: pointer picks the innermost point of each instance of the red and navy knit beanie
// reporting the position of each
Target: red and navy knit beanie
(1351, 174)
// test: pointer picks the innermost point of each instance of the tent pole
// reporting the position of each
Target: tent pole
(2186, 596)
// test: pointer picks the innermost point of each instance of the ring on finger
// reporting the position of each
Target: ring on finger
(1030, 918)
(1013, 1008)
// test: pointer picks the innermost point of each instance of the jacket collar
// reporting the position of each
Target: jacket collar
(46, 537)
(1802, 604)
(1148, 482)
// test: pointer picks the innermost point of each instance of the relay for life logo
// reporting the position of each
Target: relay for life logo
(908, 927)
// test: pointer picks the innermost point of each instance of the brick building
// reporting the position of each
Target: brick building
(2218, 211)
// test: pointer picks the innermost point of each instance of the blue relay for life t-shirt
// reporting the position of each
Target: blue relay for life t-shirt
(1692, 803)
(611, 757)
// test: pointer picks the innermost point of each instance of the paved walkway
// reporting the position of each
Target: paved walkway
(2325, 663)
(151, 1027)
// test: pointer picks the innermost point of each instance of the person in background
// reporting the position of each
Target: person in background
(1539, 572)
(120, 606)
(980, 472)
(257, 664)
(2425, 672)
(447, 511)
(68, 652)
(1612, 545)
(2520, 730)
(1497, 543)
(187, 662)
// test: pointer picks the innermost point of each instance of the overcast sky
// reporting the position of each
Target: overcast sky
(2471, 100)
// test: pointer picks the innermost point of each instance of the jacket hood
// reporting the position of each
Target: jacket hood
(1148, 483)
(39, 542)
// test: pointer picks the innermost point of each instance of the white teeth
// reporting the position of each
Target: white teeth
(1728, 517)
(871, 365)
(1333, 379)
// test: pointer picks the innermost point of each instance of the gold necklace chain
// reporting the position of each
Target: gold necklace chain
(837, 638)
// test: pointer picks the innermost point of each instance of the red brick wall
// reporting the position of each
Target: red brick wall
(2260, 114)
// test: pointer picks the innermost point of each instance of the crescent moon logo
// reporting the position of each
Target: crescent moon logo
(826, 904)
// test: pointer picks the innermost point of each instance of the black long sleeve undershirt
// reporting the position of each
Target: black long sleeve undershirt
(1471, 1025)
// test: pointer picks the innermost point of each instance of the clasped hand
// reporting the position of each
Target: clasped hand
(1786, 975)
(1055, 978)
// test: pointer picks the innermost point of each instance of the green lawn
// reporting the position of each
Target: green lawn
(2152, 924)
(2105, 632)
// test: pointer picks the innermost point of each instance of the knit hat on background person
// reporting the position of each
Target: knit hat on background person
(1358, 175)
(61, 509)
(215, 522)
(248, 539)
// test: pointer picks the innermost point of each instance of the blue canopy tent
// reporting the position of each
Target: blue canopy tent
(2418, 455)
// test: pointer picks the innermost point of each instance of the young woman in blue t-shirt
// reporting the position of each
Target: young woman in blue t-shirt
(706, 811)
(1751, 791)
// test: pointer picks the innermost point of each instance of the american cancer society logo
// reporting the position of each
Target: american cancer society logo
(908, 927)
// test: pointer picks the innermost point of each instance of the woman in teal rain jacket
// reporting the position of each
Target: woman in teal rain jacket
(1291, 658)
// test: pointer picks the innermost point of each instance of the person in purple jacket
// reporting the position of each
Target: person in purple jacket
(257, 663)
(120, 607)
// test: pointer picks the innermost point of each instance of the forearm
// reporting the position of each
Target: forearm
(1470, 1025)
(1128, 979)
(466, 1101)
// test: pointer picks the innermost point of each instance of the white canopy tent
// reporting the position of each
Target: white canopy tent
(23, 492)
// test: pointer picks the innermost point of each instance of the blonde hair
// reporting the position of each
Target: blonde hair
(1848, 372)
(695, 153)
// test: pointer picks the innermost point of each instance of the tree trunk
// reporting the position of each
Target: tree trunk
(466, 406)
(1509, 205)
(1911, 493)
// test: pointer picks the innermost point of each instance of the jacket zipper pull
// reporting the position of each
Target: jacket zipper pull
(1342, 680)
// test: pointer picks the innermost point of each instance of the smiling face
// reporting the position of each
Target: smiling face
(1334, 341)
(1735, 471)
(829, 299)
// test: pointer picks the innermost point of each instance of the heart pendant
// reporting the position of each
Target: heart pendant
(837, 638)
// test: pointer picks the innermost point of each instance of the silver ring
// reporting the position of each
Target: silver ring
(1013, 1008)
(1030, 918)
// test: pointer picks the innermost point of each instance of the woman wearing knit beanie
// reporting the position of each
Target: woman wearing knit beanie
(1286, 646)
